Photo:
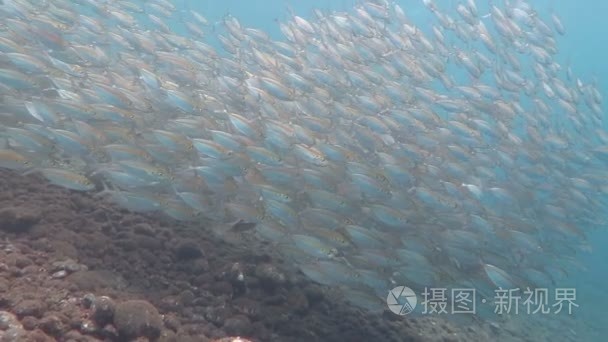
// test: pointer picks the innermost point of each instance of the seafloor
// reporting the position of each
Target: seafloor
(74, 267)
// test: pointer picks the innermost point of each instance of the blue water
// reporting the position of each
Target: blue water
(583, 48)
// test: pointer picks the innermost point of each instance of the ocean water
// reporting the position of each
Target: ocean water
(582, 50)
(583, 47)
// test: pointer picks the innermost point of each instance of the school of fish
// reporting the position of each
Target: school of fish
(368, 151)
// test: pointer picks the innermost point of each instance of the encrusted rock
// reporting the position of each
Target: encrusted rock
(88, 300)
(237, 325)
(137, 318)
(68, 265)
(51, 325)
(28, 307)
(103, 310)
(59, 274)
(18, 219)
(270, 277)
(188, 250)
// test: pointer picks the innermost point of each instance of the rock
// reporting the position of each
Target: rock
(237, 325)
(137, 318)
(68, 265)
(109, 332)
(59, 274)
(15, 334)
(314, 294)
(73, 336)
(199, 266)
(172, 322)
(269, 276)
(6, 320)
(51, 325)
(276, 300)
(169, 303)
(231, 339)
(221, 288)
(247, 307)
(88, 327)
(128, 244)
(236, 276)
(186, 298)
(6, 300)
(260, 331)
(143, 229)
(148, 242)
(22, 262)
(16, 272)
(188, 250)
(29, 323)
(98, 279)
(298, 302)
(217, 315)
(28, 307)
(103, 310)
(17, 219)
(88, 300)
(168, 336)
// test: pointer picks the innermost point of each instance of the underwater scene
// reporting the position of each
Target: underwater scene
(282, 170)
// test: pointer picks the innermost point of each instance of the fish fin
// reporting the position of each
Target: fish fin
(30, 171)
